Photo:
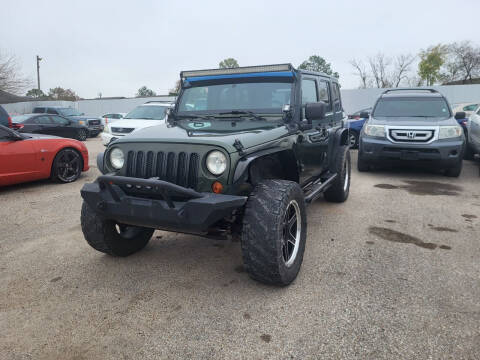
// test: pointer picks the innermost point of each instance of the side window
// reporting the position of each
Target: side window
(324, 93)
(337, 103)
(38, 110)
(59, 120)
(52, 111)
(4, 134)
(42, 120)
(309, 91)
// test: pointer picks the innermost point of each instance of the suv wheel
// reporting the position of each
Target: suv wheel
(110, 237)
(469, 154)
(454, 171)
(274, 232)
(353, 139)
(339, 190)
(362, 164)
(82, 134)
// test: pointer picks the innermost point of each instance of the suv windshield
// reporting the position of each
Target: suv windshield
(412, 107)
(240, 101)
(69, 112)
(150, 112)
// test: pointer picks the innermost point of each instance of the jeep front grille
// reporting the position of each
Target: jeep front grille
(180, 169)
(411, 135)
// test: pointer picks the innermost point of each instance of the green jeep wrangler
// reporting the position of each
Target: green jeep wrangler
(240, 156)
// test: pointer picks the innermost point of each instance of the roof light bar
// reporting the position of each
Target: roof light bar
(239, 70)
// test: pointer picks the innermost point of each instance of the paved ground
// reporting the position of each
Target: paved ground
(392, 273)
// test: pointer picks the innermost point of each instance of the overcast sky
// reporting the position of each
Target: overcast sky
(115, 47)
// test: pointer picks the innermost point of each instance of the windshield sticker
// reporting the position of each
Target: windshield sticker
(199, 125)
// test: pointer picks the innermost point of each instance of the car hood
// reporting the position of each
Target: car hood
(412, 121)
(136, 123)
(40, 136)
(165, 133)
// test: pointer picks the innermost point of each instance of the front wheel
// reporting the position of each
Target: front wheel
(454, 171)
(274, 232)
(67, 166)
(110, 237)
(82, 134)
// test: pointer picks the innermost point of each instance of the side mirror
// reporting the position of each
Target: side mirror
(315, 111)
(461, 115)
(364, 115)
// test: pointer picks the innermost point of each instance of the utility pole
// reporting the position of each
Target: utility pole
(38, 71)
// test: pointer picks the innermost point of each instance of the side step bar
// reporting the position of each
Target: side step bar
(318, 189)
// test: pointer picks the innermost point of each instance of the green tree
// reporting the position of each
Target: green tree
(144, 92)
(319, 64)
(36, 93)
(229, 63)
(59, 93)
(431, 61)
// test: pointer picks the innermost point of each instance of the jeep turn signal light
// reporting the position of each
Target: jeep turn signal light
(217, 187)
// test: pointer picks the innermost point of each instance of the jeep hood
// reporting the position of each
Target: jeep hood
(167, 134)
(412, 121)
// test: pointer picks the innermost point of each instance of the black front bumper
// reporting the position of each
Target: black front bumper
(157, 204)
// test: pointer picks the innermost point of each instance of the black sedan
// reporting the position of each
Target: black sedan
(50, 125)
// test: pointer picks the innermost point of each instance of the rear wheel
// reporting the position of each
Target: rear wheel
(110, 237)
(353, 139)
(274, 232)
(82, 134)
(67, 166)
(339, 190)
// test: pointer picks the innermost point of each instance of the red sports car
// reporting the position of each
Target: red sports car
(27, 157)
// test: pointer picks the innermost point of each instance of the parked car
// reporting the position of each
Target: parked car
(28, 157)
(355, 125)
(112, 117)
(473, 146)
(415, 126)
(243, 152)
(50, 125)
(93, 124)
(149, 114)
(5, 119)
(468, 108)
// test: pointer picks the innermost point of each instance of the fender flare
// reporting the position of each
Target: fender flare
(244, 163)
(339, 139)
(100, 163)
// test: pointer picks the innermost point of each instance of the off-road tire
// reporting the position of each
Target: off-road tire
(263, 232)
(340, 188)
(102, 234)
(454, 171)
(362, 165)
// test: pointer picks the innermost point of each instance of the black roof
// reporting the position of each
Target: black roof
(411, 92)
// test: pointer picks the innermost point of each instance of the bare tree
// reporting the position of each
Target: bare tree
(401, 69)
(361, 72)
(466, 60)
(11, 78)
(379, 65)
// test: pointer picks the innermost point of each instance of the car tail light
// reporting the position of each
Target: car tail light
(17, 126)
(10, 125)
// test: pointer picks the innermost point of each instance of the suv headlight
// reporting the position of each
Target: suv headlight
(216, 162)
(447, 132)
(116, 158)
(375, 130)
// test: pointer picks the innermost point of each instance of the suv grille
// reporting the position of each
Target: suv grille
(120, 130)
(180, 169)
(93, 122)
(411, 135)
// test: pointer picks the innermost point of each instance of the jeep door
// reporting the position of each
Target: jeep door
(313, 144)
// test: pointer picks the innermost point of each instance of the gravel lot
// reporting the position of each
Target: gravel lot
(391, 273)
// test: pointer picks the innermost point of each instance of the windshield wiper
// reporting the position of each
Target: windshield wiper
(242, 112)
(197, 116)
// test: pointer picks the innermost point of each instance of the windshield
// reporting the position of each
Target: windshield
(150, 112)
(412, 107)
(20, 118)
(69, 112)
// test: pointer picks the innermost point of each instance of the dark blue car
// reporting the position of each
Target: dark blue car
(355, 123)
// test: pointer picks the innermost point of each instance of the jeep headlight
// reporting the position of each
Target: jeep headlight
(447, 132)
(375, 130)
(216, 162)
(116, 158)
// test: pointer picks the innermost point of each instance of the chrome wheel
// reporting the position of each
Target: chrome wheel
(292, 229)
(352, 140)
